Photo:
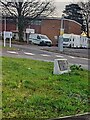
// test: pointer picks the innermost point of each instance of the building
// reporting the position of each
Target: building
(47, 26)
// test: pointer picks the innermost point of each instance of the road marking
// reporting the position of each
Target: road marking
(45, 55)
(71, 56)
(13, 52)
(28, 53)
(59, 56)
(84, 58)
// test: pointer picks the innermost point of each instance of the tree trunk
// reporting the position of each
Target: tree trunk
(87, 30)
(20, 28)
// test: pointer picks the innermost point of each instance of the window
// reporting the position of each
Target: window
(65, 39)
(38, 37)
(36, 22)
(44, 37)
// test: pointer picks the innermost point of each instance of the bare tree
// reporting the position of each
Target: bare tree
(86, 14)
(26, 10)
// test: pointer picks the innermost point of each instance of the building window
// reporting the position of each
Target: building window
(36, 22)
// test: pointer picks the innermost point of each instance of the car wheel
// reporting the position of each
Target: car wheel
(49, 45)
(42, 43)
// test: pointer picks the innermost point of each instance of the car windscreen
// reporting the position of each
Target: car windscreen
(43, 37)
(65, 39)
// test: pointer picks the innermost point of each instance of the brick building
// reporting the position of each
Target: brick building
(47, 26)
(51, 27)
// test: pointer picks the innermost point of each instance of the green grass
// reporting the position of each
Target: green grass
(30, 90)
(8, 48)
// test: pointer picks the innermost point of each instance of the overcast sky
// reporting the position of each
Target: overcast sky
(60, 6)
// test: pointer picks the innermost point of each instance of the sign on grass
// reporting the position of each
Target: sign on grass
(7, 34)
(61, 66)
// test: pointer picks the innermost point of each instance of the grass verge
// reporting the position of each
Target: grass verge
(30, 90)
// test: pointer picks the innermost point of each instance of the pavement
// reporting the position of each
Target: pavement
(70, 51)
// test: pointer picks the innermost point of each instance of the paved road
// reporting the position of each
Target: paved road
(39, 53)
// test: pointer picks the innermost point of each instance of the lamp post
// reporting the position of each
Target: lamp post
(60, 40)
(5, 24)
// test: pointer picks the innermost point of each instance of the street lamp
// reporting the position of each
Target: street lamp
(5, 24)
(60, 40)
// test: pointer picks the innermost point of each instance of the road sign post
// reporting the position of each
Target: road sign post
(7, 34)
(28, 31)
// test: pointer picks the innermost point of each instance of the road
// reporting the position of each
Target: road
(39, 53)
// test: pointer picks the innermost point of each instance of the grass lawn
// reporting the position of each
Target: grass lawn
(8, 48)
(30, 90)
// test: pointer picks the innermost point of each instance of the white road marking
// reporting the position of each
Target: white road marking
(45, 55)
(59, 56)
(28, 53)
(13, 52)
(84, 58)
(71, 56)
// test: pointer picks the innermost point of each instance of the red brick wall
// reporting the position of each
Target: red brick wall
(9, 27)
(0, 27)
(51, 28)
(74, 28)
(36, 27)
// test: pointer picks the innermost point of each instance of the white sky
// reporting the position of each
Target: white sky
(60, 5)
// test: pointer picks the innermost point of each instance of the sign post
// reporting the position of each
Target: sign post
(7, 35)
(10, 43)
(4, 39)
(28, 31)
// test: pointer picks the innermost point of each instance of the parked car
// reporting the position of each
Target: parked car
(40, 39)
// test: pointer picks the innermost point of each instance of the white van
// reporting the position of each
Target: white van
(75, 41)
(40, 39)
(71, 40)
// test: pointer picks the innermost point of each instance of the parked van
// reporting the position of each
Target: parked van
(40, 39)
(75, 41)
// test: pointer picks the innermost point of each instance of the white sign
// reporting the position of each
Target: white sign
(7, 34)
(61, 66)
(28, 30)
